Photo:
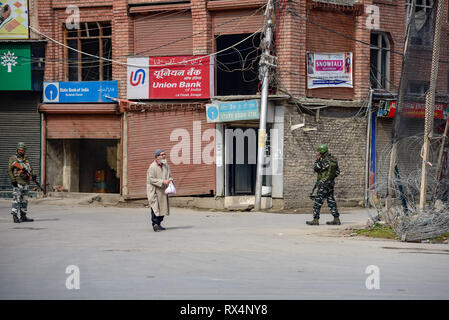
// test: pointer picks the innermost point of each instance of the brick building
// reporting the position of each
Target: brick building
(123, 134)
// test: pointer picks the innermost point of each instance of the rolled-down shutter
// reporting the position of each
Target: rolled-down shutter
(82, 126)
(19, 122)
(237, 21)
(164, 34)
(155, 130)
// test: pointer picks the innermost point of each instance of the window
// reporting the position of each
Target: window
(422, 31)
(94, 38)
(417, 87)
(238, 67)
(422, 8)
(380, 61)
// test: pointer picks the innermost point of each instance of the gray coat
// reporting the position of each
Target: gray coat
(157, 198)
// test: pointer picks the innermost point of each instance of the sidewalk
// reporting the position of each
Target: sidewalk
(207, 255)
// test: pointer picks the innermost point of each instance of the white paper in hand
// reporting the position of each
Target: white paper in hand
(170, 189)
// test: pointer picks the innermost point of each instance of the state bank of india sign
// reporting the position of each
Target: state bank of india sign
(174, 77)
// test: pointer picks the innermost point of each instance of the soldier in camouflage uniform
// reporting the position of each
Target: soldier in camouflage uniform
(20, 182)
(326, 167)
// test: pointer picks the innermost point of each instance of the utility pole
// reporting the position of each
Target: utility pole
(367, 155)
(266, 63)
(430, 102)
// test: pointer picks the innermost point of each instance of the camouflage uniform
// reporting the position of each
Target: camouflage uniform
(325, 184)
(20, 184)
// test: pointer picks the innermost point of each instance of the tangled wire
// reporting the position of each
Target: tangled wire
(403, 213)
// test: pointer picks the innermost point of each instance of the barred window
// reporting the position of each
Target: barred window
(94, 38)
(380, 61)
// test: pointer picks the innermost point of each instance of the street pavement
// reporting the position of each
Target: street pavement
(207, 255)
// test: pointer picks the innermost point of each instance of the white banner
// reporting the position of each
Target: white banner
(329, 70)
(138, 78)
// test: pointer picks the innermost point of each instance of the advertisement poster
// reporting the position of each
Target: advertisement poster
(14, 19)
(329, 70)
(15, 66)
(173, 77)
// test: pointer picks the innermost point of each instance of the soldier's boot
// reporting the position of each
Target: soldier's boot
(314, 222)
(16, 218)
(24, 218)
(336, 221)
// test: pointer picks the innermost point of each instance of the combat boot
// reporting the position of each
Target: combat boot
(23, 218)
(336, 221)
(15, 218)
(314, 222)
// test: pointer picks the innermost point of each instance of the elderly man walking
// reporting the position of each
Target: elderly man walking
(158, 179)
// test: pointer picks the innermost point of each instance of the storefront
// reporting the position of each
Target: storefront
(20, 87)
(237, 124)
(82, 140)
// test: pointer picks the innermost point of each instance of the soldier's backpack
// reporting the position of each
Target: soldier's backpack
(334, 170)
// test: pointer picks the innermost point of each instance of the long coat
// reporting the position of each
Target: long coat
(157, 198)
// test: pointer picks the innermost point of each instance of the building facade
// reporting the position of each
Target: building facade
(329, 54)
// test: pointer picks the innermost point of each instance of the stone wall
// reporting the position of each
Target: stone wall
(345, 135)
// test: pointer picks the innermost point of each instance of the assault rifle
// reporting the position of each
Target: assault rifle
(311, 195)
(22, 170)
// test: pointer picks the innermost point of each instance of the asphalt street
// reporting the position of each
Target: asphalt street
(115, 254)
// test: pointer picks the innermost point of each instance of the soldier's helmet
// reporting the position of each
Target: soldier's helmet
(21, 145)
(322, 148)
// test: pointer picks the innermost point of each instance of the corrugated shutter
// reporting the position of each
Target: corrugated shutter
(164, 34)
(19, 121)
(152, 130)
(237, 21)
(82, 126)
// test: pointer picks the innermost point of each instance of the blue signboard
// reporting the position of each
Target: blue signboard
(233, 111)
(77, 92)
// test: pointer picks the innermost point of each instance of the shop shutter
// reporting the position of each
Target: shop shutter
(152, 130)
(237, 21)
(82, 126)
(19, 121)
(164, 34)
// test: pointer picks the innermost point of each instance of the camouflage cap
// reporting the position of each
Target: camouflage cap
(21, 145)
(322, 148)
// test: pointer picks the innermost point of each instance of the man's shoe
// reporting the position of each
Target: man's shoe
(155, 228)
(336, 221)
(23, 218)
(314, 222)
(161, 227)
(15, 218)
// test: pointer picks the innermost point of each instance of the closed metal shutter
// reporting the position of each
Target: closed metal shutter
(19, 122)
(152, 130)
(82, 126)
(237, 21)
(164, 34)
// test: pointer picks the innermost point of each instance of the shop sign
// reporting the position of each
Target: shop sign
(412, 109)
(329, 70)
(77, 92)
(15, 67)
(232, 111)
(173, 77)
(14, 19)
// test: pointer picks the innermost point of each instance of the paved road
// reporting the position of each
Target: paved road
(207, 255)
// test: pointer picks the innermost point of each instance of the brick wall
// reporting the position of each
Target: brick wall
(346, 140)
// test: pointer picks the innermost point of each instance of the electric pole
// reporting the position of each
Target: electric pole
(266, 63)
